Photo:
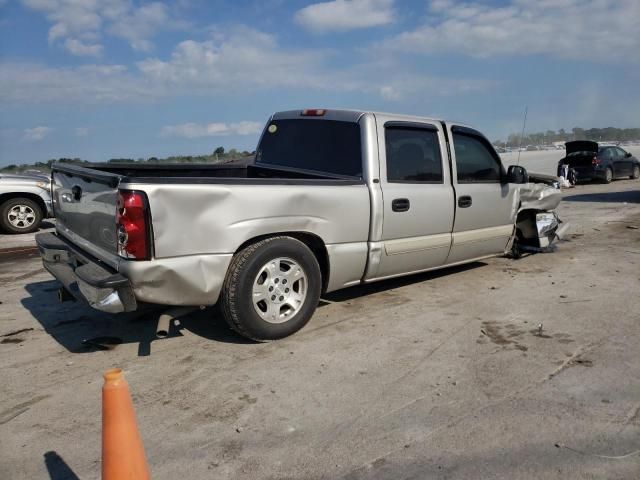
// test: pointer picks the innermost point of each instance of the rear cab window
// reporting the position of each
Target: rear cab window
(324, 146)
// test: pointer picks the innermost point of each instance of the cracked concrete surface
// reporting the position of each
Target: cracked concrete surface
(440, 375)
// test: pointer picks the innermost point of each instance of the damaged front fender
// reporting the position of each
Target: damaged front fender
(537, 225)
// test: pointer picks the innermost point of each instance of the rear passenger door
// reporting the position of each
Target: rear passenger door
(485, 203)
(417, 196)
(609, 158)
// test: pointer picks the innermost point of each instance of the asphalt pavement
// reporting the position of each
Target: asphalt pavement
(502, 369)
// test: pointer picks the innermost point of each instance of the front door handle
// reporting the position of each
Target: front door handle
(400, 205)
(465, 201)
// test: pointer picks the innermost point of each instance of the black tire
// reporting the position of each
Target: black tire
(608, 175)
(237, 292)
(29, 224)
(516, 252)
(636, 172)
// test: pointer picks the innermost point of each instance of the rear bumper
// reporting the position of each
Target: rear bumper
(189, 280)
(85, 278)
(584, 174)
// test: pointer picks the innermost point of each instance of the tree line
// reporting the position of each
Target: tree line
(608, 134)
(219, 155)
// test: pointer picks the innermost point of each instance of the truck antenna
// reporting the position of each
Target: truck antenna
(524, 123)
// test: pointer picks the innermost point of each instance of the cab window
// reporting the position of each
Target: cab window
(413, 155)
(475, 162)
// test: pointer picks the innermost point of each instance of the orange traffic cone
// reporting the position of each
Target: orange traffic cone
(122, 451)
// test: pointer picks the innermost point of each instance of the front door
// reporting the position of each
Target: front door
(417, 195)
(624, 166)
(486, 206)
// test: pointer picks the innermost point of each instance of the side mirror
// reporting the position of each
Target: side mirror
(627, 154)
(517, 174)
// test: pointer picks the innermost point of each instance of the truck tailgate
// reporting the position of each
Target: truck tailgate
(84, 202)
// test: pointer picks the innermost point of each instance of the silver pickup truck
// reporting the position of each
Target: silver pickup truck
(334, 198)
(25, 199)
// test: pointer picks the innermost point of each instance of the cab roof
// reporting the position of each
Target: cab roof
(346, 115)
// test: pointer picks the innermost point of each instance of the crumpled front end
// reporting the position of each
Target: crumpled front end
(537, 225)
(548, 228)
(539, 196)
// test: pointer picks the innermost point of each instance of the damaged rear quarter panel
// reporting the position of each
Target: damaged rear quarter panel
(216, 219)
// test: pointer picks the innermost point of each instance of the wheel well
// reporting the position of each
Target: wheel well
(31, 196)
(314, 242)
(526, 229)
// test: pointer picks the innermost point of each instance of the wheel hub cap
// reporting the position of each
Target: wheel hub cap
(279, 290)
(21, 216)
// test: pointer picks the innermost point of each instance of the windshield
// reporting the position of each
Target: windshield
(326, 146)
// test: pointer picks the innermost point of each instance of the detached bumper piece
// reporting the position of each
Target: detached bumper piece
(84, 277)
(536, 231)
(547, 225)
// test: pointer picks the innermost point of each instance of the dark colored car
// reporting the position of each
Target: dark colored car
(599, 162)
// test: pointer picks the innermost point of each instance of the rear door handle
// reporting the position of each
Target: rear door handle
(465, 201)
(400, 205)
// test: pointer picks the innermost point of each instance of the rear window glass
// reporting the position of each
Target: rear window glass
(320, 145)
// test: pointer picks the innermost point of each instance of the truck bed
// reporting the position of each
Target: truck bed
(201, 173)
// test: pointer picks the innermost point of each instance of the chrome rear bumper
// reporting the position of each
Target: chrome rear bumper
(87, 279)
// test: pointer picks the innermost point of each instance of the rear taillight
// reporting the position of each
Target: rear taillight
(596, 161)
(313, 112)
(131, 225)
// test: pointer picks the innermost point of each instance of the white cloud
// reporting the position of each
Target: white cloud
(238, 59)
(87, 84)
(339, 15)
(590, 30)
(79, 24)
(195, 130)
(236, 62)
(35, 134)
(406, 86)
(78, 47)
(81, 131)
(141, 24)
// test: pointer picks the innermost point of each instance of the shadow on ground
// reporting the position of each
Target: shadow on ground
(47, 224)
(81, 329)
(384, 285)
(58, 468)
(631, 196)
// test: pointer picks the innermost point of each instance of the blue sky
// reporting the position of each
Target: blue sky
(99, 79)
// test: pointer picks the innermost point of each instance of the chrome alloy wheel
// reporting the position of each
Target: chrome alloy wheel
(279, 290)
(21, 216)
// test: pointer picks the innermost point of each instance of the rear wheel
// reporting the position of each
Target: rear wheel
(20, 215)
(608, 175)
(636, 172)
(272, 289)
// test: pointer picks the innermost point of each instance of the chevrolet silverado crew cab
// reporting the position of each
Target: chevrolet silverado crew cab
(334, 198)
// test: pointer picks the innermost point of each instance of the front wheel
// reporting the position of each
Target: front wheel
(636, 172)
(272, 289)
(20, 215)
